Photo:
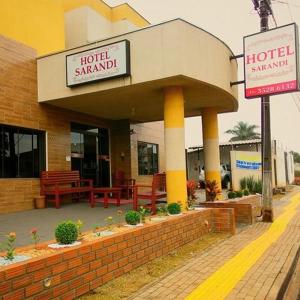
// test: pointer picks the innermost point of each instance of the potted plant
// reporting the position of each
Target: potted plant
(132, 218)
(191, 192)
(143, 213)
(212, 190)
(35, 237)
(66, 234)
(174, 209)
(9, 248)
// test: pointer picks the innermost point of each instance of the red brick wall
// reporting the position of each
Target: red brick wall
(245, 209)
(74, 272)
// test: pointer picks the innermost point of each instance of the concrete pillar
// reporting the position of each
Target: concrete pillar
(211, 146)
(174, 146)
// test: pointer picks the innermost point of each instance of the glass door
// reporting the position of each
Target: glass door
(90, 153)
(90, 168)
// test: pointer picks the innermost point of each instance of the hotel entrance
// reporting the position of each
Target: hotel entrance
(90, 153)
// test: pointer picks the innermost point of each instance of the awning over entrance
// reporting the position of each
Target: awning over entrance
(169, 54)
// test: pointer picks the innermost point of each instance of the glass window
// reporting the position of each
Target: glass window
(22, 152)
(77, 143)
(147, 158)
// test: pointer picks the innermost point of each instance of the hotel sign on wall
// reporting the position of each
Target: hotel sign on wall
(101, 63)
(271, 62)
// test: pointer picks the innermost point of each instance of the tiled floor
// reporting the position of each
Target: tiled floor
(45, 220)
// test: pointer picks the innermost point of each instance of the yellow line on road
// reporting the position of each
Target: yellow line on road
(221, 283)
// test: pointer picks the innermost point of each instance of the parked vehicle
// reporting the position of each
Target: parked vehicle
(225, 176)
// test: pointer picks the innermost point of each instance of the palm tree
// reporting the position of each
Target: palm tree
(243, 131)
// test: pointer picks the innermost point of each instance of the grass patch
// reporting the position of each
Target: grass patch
(127, 284)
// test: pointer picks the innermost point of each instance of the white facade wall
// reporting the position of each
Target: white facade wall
(84, 25)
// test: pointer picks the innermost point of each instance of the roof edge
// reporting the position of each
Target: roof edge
(145, 28)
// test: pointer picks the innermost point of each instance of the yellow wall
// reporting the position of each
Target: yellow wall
(40, 23)
(35, 23)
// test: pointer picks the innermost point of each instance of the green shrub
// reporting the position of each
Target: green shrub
(174, 209)
(250, 184)
(231, 195)
(239, 194)
(257, 187)
(246, 192)
(297, 173)
(66, 233)
(243, 183)
(132, 217)
(162, 210)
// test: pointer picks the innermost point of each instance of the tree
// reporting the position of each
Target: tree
(243, 131)
(296, 157)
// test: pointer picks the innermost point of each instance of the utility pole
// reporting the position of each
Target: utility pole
(264, 9)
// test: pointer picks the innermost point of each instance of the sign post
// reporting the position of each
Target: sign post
(271, 67)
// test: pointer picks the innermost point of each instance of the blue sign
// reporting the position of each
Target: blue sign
(242, 164)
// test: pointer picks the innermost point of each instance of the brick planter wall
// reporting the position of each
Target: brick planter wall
(75, 271)
(246, 209)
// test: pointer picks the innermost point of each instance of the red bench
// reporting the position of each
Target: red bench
(155, 192)
(57, 183)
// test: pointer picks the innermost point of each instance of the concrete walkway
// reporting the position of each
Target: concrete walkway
(45, 220)
(250, 265)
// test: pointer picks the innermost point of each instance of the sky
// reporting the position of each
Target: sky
(231, 21)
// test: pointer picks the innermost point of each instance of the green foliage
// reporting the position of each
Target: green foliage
(296, 156)
(243, 183)
(174, 208)
(297, 173)
(162, 210)
(212, 190)
(257, 187)
(66, 232)
(252, 186)
(239, 194)
(243, 131)
(231, 195)
(109, 223)
(8, 246)
(132, 217)
(250, 183)
(246, 192)
(143, 213)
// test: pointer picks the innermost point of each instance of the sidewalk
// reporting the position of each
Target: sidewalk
(250, 265)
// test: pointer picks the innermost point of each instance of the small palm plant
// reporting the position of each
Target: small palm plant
(243, 131)
(212, 190)
(8, 246)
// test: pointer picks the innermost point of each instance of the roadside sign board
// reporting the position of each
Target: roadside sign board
(101, 63)
(271, 62)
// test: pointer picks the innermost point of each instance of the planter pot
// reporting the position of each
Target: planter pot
(39, 202)
(174, 215)
(17, 258)
(58, 246)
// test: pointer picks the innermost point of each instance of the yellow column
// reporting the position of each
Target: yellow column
(174, 146)
(211, 146)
